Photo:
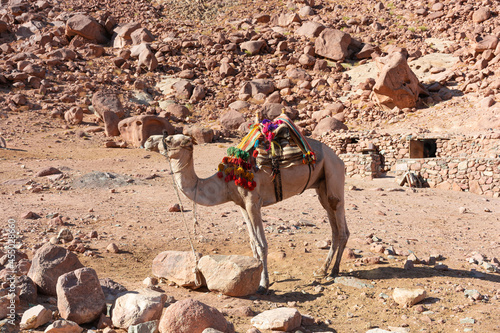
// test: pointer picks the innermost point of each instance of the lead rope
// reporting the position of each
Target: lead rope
(196, 270)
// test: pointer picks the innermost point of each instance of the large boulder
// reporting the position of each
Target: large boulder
(106, 100)
(231, 275)
(134, 308)
(310, 29)
(231, 119)
(192, 316)
(328, 124)
(200, 134)
(136, 130)
(258, 86)
(176, 266)
(87, 27)
(48, 264)
(148, 60)
(79, 296)
(123, 34)
(396, 84)
(332, 44)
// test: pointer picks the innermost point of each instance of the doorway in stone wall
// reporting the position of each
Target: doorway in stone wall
(423, 148)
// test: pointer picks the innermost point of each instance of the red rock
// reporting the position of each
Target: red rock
(396, 84)
(48, 264)
(285, 20)
(200, 134)
(141, 35)
(310, 29)
(176, 266)
(107, 100)
(48, 171)
(183, 89)
(332, 44)
(231, 119)
(136, 130)
(147, 59)
(252, 47)
(192, 316)
(74, 115)
(87, 27)
(198, 94)
(481, 15)
(79, 296)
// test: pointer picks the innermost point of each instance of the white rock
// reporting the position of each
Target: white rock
(280, 319)
(137, 307)
(408, 297)
(35, 316)
(63, 326)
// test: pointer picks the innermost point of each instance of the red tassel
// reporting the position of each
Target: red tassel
(255, 153)
(219, 174)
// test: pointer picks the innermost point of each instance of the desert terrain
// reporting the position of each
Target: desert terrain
(122, 192)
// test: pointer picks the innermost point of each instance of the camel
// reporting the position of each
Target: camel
(327, 178)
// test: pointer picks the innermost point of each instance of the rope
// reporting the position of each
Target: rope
(196, 270)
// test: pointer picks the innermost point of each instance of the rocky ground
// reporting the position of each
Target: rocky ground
(50, 74)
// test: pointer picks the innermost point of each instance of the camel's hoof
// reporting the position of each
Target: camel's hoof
(261, 291)
(319, 274)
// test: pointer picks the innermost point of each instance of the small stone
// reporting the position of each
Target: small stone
(65, 235)
(408, 297)
(462, 210)
(113, 248)
(281, 319)
(467, 320)
(35, 317)
(175, 208)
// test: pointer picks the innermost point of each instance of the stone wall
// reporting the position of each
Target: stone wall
(476, 175)
(467, 163)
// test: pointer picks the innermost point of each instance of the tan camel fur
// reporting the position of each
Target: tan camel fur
(327, 178)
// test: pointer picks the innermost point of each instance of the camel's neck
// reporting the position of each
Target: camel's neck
(208, 192)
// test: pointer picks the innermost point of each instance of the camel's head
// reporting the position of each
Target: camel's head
(178, 142)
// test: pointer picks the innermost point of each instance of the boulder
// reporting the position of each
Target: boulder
(489, 42)
(332, 44)
(141, 35)
(481, 14)
(192, 316)
(396, 84)
(231, 275)
(198, 94)
(148, 60)
(227, 69)
(177, 110)
(136, 130)
(74, 115)
(408, 297)
(176, 266)
(48, 264)
(231, 119)
(280, 319)
(183, 89)
(79, 296)
(258, 86)
(329, 124)
(137, 307)
(297, 74)
(123, 34)
(63, 326)
(252, 47)
(310, 29)
(284, 20)
(107, 100)
(200, 134)
(111, 121)
(27, 290)
(87, 27)
(35, 317)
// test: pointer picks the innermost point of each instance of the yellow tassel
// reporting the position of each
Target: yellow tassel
(220, 167)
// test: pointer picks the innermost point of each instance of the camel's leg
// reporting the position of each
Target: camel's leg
(334, 207)
(253, 218)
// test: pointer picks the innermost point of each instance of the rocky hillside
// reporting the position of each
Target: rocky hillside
(391, 65)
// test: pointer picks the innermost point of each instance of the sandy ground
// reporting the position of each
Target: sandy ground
(134, 215)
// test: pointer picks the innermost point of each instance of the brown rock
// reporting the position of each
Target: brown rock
(177, 110)
(111, 121)
(79, 296)
(328, 124)
(200, 134)
(227, 69)
(408, 297)
(252, 47)
(481, 15)
(134, 308)
(231, 275)
(87, 27)
(396, 84)
(231, 119)
(258, 86)
(285, 20)
(48, 264)
(192, 316)
(148, 60)
(74, 115)
(106, 100)
(176, 266)
(48, 171)
(489, 42)
(136, 130)
(141, 35)
(310, 29)
(332, 44)
(183, 89)
(198, 94)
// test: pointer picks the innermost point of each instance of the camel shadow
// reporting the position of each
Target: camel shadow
(388, 272)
